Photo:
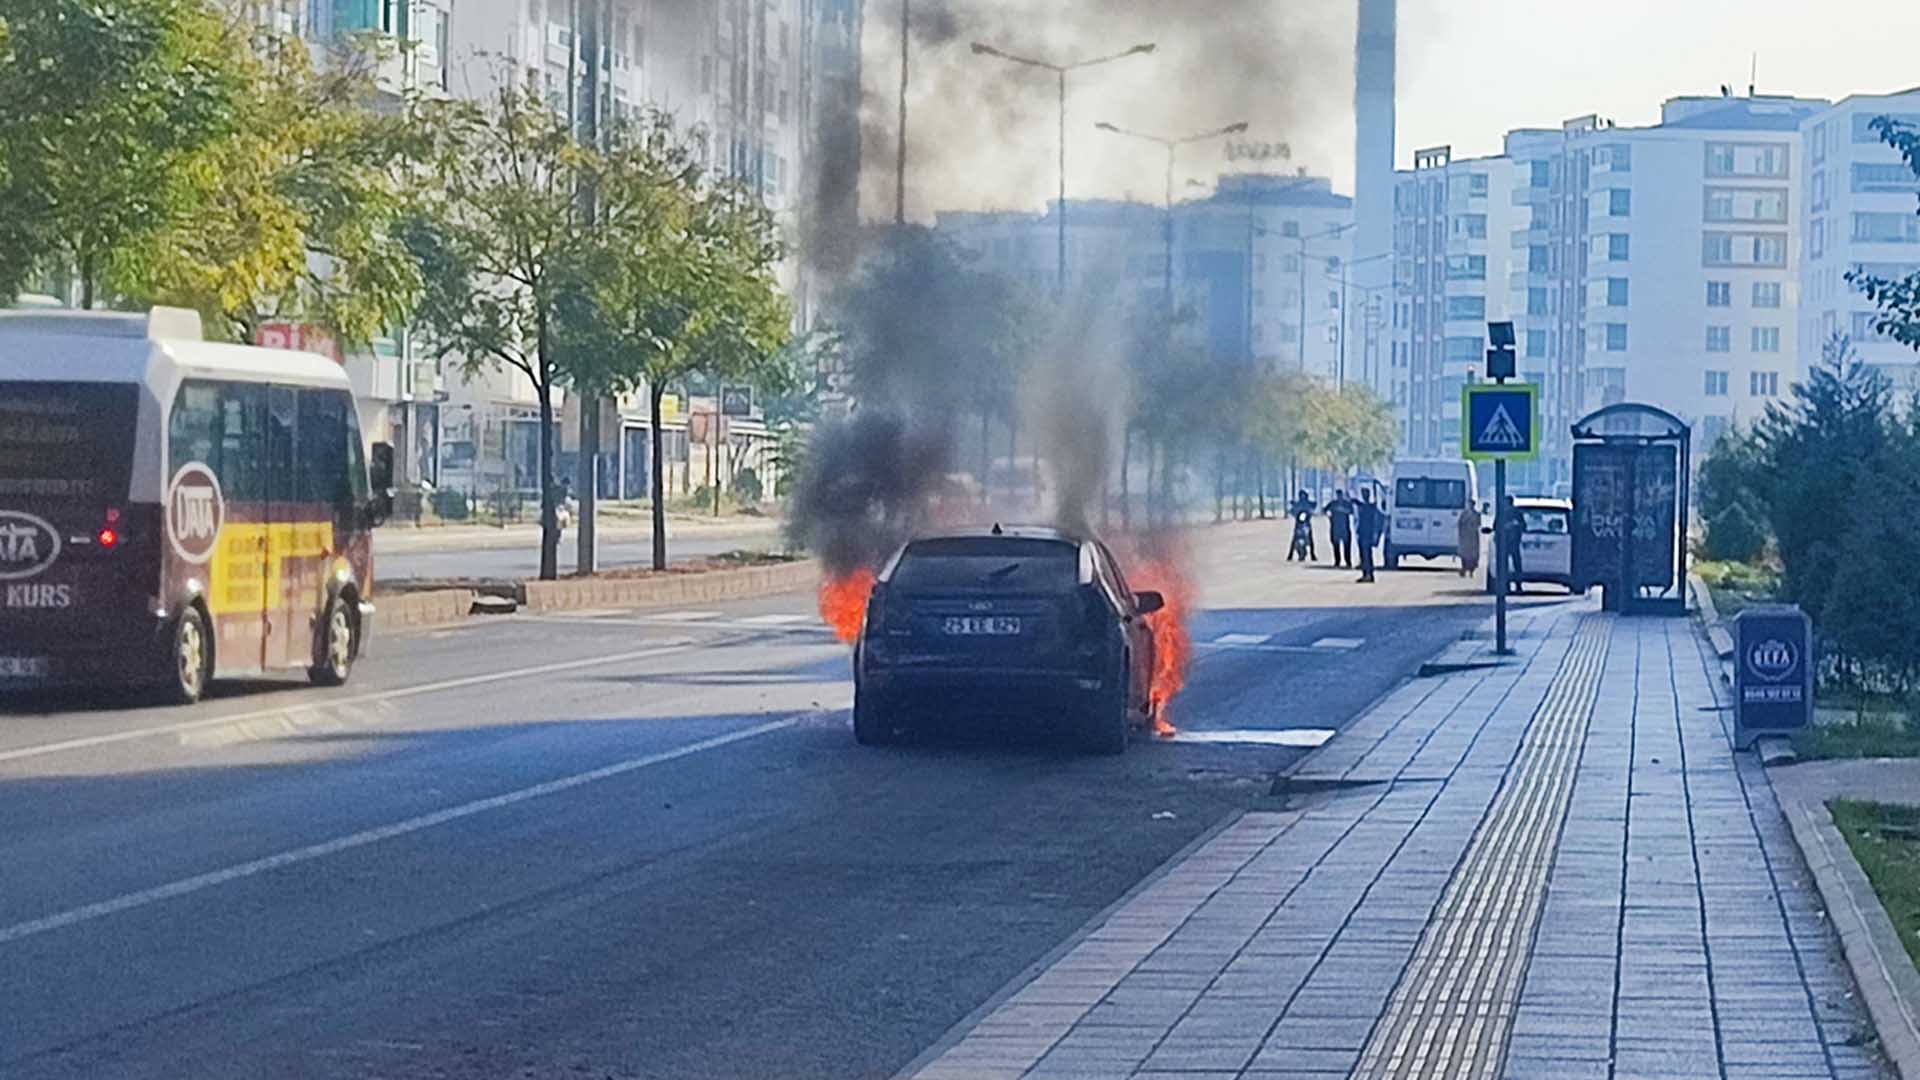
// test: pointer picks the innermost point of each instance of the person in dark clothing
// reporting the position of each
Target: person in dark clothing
(1301, 546)
(1508, 526)
(1369, 523)
(1340, 522)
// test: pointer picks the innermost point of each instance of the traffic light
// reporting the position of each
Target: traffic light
(1501, 362)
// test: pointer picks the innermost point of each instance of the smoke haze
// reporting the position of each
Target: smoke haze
(983, 133)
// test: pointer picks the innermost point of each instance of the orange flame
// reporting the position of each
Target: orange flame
(1172, 645)
(843, 603)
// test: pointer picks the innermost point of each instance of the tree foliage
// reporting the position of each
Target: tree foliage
(296, 212)
(102, 104)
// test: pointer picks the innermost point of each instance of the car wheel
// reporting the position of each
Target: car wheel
(1111, 724)
(1392, 560)
(870, 725)
(336, 651)
(190, 658)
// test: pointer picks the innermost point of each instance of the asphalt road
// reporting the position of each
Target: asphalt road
(615, 844)
(393, 561)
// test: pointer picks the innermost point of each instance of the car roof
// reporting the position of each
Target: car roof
(1538, 502)
(1017, 532)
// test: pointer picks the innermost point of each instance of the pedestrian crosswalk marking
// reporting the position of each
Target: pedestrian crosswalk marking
(776, 620)
(1339, 643)
(1502, 431)
(1242, 639)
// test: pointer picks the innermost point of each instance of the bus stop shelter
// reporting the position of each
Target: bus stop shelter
(1631, 465)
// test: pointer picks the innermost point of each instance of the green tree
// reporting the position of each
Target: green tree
(678, 282)
(102, 102)
(498, 238)
(1897, 298)
(296, 211)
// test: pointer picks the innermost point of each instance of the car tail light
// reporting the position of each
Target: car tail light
(877, 609)
(109, 535)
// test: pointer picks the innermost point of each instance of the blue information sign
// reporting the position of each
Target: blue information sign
(1772, 671)
(1500, 420)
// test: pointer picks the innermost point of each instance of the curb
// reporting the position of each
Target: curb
(1703, 605)
(1881, 968)
(436, 607)
(671, 589)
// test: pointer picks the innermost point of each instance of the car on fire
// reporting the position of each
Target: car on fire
(1029, 621)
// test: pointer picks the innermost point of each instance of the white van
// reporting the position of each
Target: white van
(1424, 517)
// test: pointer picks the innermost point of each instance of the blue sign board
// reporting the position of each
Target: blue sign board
(1772, 672)
(1500, 420)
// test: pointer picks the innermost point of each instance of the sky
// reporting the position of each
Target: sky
(983, 133)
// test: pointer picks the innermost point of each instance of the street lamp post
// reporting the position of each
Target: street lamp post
(1303, 241)
(1060, 70)
(1172, 146)
(900, 150)
(1340, 376)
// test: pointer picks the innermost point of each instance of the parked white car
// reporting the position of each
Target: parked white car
(1546, 544)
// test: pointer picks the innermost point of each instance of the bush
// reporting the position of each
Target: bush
(746, 487)
(1735, 535)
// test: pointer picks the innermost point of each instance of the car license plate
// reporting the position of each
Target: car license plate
(24, 667)
(994, 626)
(1407, 523)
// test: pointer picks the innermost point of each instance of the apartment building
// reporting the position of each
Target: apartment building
(1455, 264)
(1258, 263)
(1860, 213)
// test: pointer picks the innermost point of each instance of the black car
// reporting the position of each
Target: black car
(1017, 620)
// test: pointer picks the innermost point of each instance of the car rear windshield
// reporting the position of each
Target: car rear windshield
(1544, 521)
(1426, 493)
(66, 440)
(988, 564)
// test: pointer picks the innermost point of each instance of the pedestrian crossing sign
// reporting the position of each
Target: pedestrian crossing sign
(1500, 420)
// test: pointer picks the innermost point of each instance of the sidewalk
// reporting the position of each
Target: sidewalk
(1553, 868)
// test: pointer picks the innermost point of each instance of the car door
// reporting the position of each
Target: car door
(1138, 633)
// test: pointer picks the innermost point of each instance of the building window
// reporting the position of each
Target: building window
(1537, 259)
(1289, 228)
(1766, 294)
(1766, 339)
(1477, 184)
(1863, 125)
(1537, 301)
(1536, 343)
(1466, 307)
(1466, 267)
(1719, 294)
(1617, 248)
(1476, 226)
(1716, 384)
(1465, 349)
(1883, 179)
(1619, 202)
(1716, 249)
(1763, 384)
(1719, 339)
(1617, 292)
(1817, 238)
(1887, 227)
(1622, 157)
(1540, 174)
(1770, 251)
(1616, 337)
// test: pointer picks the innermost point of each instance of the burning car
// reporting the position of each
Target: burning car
(1007, 620)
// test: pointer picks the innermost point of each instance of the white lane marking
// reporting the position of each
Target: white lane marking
(1241, 639)
(1308, 737)
(1224, 646)
(199, 882)
(90, 741)
(776, 620)
(681, 616)
(1339, 643)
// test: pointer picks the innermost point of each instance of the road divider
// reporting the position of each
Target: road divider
(438, 607)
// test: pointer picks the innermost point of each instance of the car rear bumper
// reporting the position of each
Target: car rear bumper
(982, 689)
(23, 666)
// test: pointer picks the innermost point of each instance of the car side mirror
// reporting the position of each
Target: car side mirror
(1148, 602)
(380, 477)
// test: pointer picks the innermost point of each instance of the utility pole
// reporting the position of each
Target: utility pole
(1500, 368)
(900, 152)
(587, 472)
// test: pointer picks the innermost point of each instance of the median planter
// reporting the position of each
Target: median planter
(434, 607)
(671, 588)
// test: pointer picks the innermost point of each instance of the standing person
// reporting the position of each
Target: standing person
(1508, 525)
(1340, 525)
(1469, 539)
(1368, 522)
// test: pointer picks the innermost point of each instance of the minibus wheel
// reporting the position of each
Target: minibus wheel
(336, 645)
(191, 658)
